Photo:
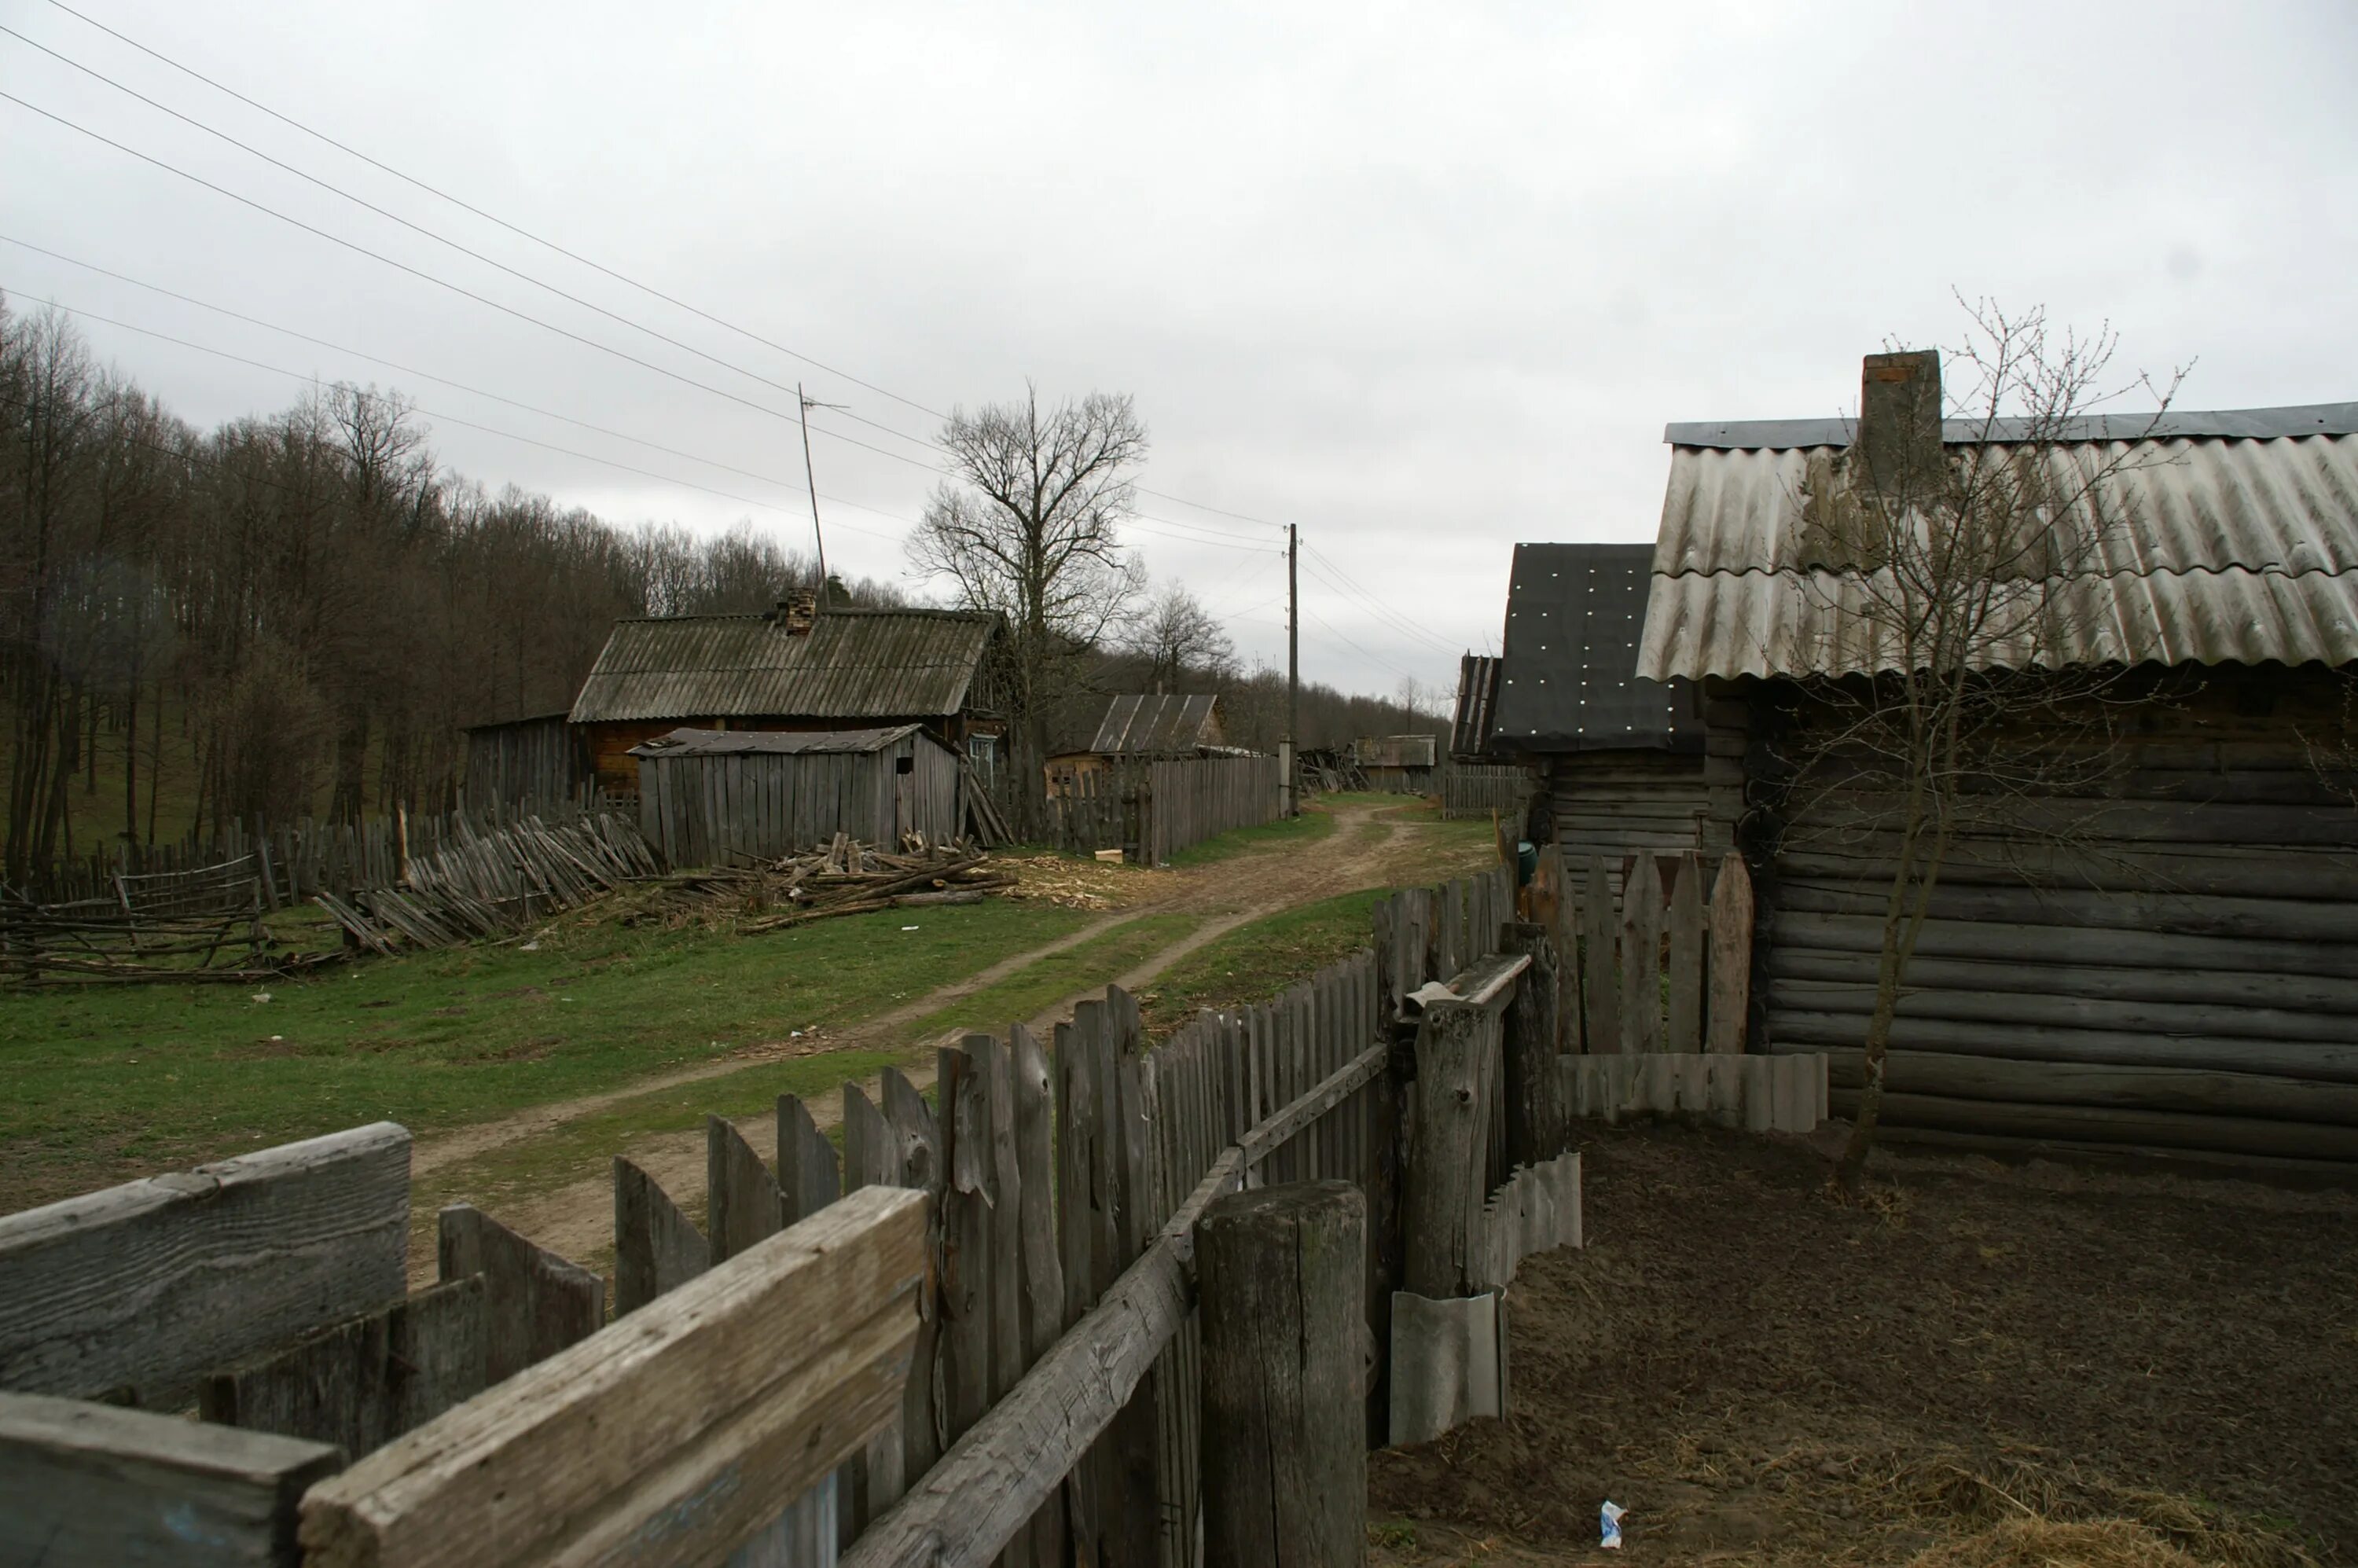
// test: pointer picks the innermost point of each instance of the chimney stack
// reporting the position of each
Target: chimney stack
(1898, 447)
(795, 613)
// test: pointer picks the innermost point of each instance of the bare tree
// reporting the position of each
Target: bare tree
(1961, 684)
(1178, 638)
(1028, 527)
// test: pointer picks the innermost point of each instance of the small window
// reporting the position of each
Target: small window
(905, 764)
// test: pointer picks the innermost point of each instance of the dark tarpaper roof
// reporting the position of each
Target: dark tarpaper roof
(773, 743)
(1157, 725)
(1567, 676)
(852, 664)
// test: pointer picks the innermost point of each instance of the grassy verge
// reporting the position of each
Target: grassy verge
(1258, 959)
(99, 1086)
(1285, 832)
(1099, 961)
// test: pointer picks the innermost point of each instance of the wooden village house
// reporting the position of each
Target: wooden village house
(2157, 950)
(1136, 729)
(1617, 758)
(791, 669)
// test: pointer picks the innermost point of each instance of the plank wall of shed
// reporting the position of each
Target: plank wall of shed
(2181, 973)
(1614, 803)
(698, 810)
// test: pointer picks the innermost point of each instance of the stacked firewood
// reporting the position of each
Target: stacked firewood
(844, 878)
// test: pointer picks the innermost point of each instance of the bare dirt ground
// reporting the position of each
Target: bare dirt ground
(1369, 845)
(1987, 1364)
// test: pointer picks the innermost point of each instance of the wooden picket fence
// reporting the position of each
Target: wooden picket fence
(1150, 812)
(975, 1328)
(294, 860)
(1473, 790)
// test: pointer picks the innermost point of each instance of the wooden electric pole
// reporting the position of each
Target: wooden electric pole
(803, 400)
(1292, 674)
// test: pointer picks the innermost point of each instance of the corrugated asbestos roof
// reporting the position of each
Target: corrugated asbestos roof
(2247, 423)
(2220, 548)
(1568, 673)
(1160, 725)
(858, 664)
(773, 743)
(1477, 697)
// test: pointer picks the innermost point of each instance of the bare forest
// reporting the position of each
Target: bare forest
(299, 611)
(298, 614)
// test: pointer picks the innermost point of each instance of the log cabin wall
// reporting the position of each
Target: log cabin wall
(2165, 958)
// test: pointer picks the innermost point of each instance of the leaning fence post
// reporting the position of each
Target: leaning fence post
(1285, 1461)
(1536, 1124)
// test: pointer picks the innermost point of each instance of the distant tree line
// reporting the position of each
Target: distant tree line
(305, 602)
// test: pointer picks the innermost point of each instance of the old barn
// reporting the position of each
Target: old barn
(707, 794)
(1620, 758)
(1142, 728)
(1400, 765)
(2156, 946)
(791, 669)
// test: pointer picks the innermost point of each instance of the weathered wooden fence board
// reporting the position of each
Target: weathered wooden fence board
(535, 1302)
(83, 1483)
(656, 1248)
(151, 1284)
(359, 1384)
(673, 1434)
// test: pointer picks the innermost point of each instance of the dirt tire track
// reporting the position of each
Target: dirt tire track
(576, 1219)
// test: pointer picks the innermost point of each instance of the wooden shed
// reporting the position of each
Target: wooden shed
(539, 759)
(2179, 970)
(1620, 759)
(704, 793)
(1400, 765)
(1144, 728)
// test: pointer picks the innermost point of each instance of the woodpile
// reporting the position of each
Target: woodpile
(845, 878)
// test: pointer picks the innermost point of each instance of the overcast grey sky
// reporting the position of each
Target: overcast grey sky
(1425, 281)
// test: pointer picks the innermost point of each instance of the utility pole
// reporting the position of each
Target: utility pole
(1293, 672)
(803, 400)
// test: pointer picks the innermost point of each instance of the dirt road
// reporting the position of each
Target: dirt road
(576, 1219)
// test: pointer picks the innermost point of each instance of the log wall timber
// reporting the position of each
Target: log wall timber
(2165, 954)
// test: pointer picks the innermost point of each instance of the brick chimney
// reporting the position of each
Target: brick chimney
(795, 613)
(1898, 447)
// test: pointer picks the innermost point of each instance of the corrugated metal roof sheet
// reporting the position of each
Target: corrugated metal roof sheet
(859, 664)
(1568, 677)
(1158, 725)
(2217, 550)
(773, 743)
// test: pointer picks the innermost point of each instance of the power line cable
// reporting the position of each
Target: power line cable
(397, 365)
(1336, 578)
(488, 430)
(648, 289)
(1386, 620)
(490, 218)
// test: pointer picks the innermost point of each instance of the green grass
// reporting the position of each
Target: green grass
(101, 1085)
(1261, 957)
(1097, 962)
(1314, 824)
